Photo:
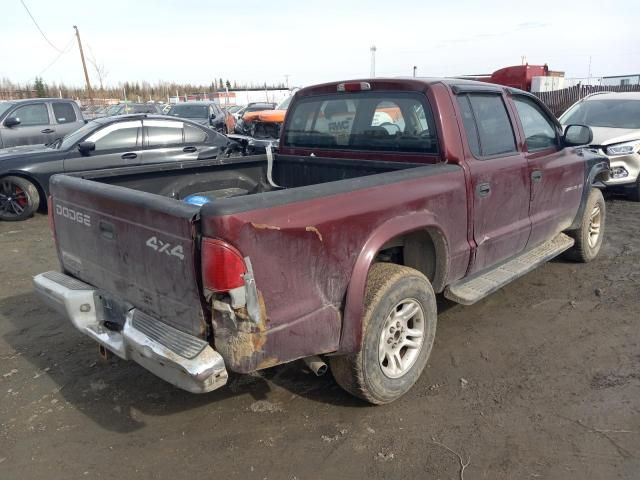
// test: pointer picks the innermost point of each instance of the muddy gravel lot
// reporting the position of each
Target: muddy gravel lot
(539, 381)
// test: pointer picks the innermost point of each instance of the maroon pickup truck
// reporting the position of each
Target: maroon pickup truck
(383, 193)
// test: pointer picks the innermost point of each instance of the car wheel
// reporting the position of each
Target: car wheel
(399, 326)
(589, 235)
(19, 199)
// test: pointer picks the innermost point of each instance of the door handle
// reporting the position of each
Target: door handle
(536, 175)
(483, 189)
(48, 130)
(129, 156)
(189, 149)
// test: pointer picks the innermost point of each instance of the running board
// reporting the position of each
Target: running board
(476, 288)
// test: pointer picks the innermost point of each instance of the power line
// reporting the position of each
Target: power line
(39, 29)
(66, 50)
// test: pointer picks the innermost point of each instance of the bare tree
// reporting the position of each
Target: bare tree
(99, 68)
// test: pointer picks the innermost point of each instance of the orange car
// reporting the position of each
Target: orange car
(266, 123)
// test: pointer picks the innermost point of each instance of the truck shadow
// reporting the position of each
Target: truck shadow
(117, 394)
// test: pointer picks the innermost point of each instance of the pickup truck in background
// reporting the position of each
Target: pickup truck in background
(383, 193)
(37, 121)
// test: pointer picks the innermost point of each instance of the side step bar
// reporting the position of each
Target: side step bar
(476, 288)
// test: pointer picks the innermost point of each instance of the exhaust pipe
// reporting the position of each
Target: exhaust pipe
(316, 365)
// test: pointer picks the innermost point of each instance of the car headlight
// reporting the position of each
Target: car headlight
(623, 148)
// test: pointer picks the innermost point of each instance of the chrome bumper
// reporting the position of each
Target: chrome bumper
(181, 359)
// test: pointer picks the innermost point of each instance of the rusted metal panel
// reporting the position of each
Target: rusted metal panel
(304, 256)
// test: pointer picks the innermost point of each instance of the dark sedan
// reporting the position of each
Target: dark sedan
(205, 113)
(109, 142)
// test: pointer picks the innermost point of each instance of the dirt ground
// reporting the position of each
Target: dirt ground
(539, 381)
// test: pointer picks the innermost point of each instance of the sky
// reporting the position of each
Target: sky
(257, 41)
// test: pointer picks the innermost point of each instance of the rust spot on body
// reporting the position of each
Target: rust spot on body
(264, 226)
(314, 230)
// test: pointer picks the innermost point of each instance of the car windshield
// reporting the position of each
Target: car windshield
(188, 111)
(605, 113)
(71, 139)
(114, 109)
(4, 106)
(284, 104)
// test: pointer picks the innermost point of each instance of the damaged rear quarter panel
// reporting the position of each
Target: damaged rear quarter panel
(303, 256)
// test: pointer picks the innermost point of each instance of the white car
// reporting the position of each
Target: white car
(614, 119)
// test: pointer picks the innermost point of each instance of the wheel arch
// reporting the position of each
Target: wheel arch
(596, 172)
(412, 233)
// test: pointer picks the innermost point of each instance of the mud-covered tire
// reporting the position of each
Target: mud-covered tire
(19, 199)
(590, 233)
(390, 288)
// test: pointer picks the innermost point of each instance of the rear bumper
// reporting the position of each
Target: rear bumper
(181, 359)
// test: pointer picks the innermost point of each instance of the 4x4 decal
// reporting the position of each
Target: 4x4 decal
(160, 246)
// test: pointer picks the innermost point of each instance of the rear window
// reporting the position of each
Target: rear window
(487, 124)
(375, 121)
(162, 132)
(64, 112)
(193, 134)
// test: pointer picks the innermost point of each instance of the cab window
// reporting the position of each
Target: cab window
(486, 121)
(540, 133)
(64, 112)
(35, 114)
(375, 121)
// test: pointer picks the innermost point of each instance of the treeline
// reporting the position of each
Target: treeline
(145, 90)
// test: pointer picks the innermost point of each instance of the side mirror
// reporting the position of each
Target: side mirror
(576, 135)
(86, 147)
(12, 122)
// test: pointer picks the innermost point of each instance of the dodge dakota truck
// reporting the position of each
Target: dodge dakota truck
(332, 249)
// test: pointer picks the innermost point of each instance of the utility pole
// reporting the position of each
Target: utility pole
(373, 61)
(84, 65)
(286, 76)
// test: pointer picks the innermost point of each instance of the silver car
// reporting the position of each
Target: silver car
(37, 120)
(614, 119)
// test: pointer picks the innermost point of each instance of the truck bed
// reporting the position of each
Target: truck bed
(128, 232)
(177, 181)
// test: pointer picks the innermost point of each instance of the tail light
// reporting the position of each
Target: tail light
(222, 266)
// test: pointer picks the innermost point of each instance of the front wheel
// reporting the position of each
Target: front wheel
(19, 199)
(590, 233)
(399, 327)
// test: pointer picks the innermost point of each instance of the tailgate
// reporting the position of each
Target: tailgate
(138, 247)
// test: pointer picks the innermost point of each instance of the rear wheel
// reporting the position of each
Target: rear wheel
(399, 328)
(589, 235)
(19, 198)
